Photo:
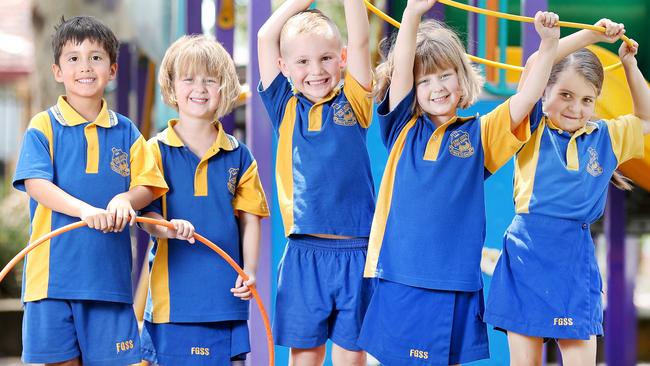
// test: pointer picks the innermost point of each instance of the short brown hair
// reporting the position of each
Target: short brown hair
(81, 28)
(190, 55)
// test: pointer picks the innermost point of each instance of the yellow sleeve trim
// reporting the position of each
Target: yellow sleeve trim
(144, 168)
(284, 165)
(526, 169)
(41, 122)
(626, 134)
(360, 99)
(250, 195)
(499, 142)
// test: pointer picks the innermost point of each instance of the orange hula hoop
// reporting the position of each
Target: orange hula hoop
(202, 239)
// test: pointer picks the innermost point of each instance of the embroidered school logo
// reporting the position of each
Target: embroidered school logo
(232, 179)
(594, 167)
(344, 115)
(460, 144)
(120, 162)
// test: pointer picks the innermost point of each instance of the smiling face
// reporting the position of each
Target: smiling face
(197, 96)
(314, 63)
(84, 69)
(438, 94)
(571, 101)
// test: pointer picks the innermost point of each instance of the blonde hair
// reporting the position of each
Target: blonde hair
(311, 21)
(436, 48)
(586, 64)
(194, 54)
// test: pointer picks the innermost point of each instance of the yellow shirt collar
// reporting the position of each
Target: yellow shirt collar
(68, 116)
(222, 142)
(588, 128)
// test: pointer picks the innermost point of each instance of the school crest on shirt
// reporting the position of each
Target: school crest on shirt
(343, 114)
(460, 144)
(593, 167)
(120, 162)
(232, 179)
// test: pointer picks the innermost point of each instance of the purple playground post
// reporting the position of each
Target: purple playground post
(259, 137)
(193, 17)
(529, 38)
(226, 37)
(123, 79)
(620, 315)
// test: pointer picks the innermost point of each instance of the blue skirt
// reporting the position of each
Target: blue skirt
(546, 282)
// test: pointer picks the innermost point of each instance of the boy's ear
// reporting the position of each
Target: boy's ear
(283, 67)
(112, 72)
(344, 57)
(56, 71)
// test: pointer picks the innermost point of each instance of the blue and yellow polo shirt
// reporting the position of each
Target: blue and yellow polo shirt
(566, 175)
(322, 166)
(190, 282)
(92, 161)
(429, 225)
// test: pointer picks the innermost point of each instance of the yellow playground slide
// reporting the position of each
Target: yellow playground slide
(615, 100)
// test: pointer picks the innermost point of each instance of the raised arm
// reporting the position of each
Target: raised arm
(637, 84)
(532, 88)
(404, 51)
(358, 49)
(578, 40)
(268, 39)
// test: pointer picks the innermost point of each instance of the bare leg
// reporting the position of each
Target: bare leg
(307, 356)
(578, 352)
(344, 357)
(525, 350)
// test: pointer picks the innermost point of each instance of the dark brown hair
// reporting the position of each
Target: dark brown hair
(81, 28)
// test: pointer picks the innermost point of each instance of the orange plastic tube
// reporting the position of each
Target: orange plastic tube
(205, 241)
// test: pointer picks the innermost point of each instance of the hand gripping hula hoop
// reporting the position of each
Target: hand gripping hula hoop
(202, 239)
(497, 14)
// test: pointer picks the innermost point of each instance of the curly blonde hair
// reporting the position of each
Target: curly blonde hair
(194, 54)
(311, 21)
(436, 48)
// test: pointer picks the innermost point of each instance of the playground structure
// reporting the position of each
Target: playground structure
(486, 37)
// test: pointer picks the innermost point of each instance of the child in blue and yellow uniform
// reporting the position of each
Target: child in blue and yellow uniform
(429, 225)
(546, 283)
(191, 316)
(78, 157)
(325, 187)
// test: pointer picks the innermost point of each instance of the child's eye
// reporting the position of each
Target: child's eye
(445, 76)
(97, 58)
(211, 81)
(188, 80)
(565, 95)
(588, 100)
(301, 61)
(422, 82)
(327, 58)
(73, 59)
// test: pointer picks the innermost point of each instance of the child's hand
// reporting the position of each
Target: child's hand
(242, 289)
(122, 211)
(182, 230)
(96, 218)
(613, 31)
(627, 53)
(546, 25)
(420, 6)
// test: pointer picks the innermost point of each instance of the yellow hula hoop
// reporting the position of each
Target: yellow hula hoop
(497, 14)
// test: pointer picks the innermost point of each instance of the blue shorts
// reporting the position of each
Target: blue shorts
(215, 343)
(546, 282)
(101, 332)
(321, 292)
(408, 325)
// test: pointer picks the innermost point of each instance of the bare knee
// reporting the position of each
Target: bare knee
(525, 350)
(345, 357)
(307, 356)
(577, 352)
